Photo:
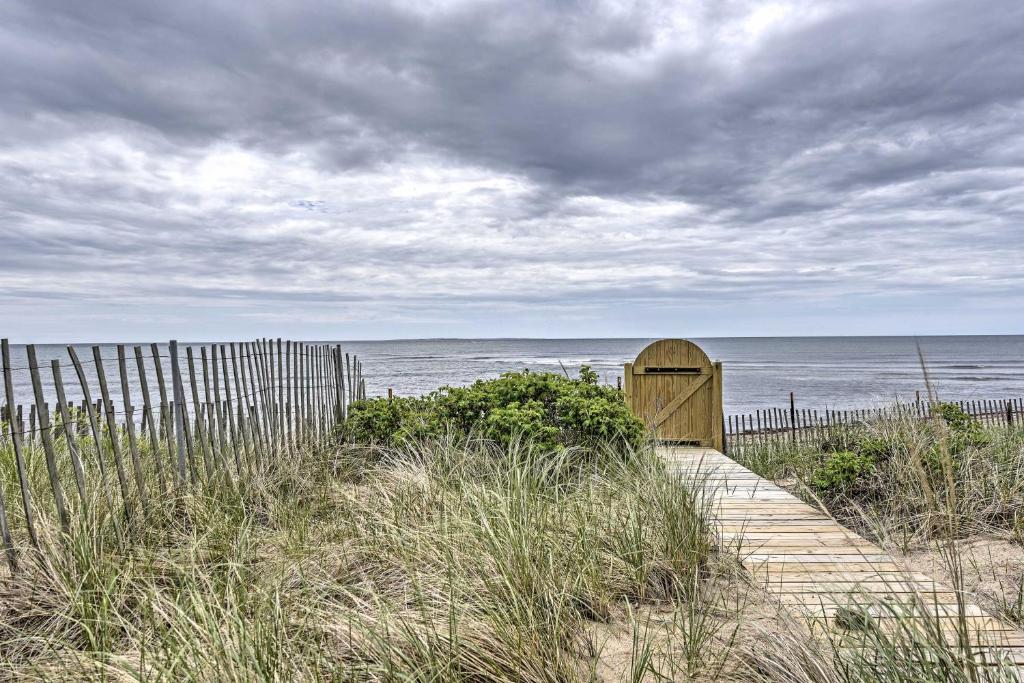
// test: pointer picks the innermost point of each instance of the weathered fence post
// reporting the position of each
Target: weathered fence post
(166, 431)
(339, 404)
(792, 416)
(19, 460)
(147, 412)
(94, 426)
(129, 423)
(288, 399)
(69, 433)
(351, 380)
(279, 380)
(197, 409)
(229, 432)
(15, 438)
(210, 411)
(179, 415)
(112, 432)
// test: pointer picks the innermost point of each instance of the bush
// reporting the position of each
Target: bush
(964, 430)
(383, 421)
(843, 472)
(504, 422)
(551, 410)
(880, 448)
(895, 478)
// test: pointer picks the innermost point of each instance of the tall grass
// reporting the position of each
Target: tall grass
(903, 481)
(447, 560)
(901, 644)
(440, 561)
(920, 491)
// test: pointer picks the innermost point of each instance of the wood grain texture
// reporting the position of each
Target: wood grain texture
(676, 390)
(815, 566)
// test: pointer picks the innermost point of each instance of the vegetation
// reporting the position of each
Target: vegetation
(457, 558)
(436, 542)
(905, 481)
(945, 492)
(551, 411)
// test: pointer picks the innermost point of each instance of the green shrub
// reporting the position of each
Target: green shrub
(588, 376)
(383, 421)
(504, 423)
(879, 448)
(549, 409)
(916, 472)
(964, 431)
(843, 472)
(956, 418)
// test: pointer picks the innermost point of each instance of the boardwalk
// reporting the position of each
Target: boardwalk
(814, 566)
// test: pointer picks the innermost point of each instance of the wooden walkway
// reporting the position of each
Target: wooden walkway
(817, 568)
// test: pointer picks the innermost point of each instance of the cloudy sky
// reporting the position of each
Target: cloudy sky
(377, 169)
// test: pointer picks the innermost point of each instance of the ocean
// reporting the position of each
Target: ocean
(759, 372)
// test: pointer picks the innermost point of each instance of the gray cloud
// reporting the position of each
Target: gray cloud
(388, 168)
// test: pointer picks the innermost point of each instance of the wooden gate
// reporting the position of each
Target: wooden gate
(677, 391)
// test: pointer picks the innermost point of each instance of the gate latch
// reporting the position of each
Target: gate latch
(671, 371)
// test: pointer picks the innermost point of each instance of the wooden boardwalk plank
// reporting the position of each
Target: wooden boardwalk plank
(815, 566)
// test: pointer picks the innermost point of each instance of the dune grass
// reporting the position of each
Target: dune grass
(932, 485)
(440, 561)
(906, 481)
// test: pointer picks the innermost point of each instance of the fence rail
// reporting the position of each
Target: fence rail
(802, 425)
(221, 409)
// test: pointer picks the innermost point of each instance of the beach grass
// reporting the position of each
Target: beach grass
(445, 559)
(436, 561)
(905, 481)
(945, 496)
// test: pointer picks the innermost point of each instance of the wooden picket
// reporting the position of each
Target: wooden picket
(800, 426)
(246, 405)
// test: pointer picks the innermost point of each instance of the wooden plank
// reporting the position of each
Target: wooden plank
(47, 438)
(817, 589)
(280, 385)
(307, 391)
(222, 427)
(339, 385)
(288, 399)
(15, 434)
(166, 430)
(245, 397)
(69, 434)
(210, 409)
(252, 391)
(811, 563)
(112, 430)
(147, 411)
(243, 416)
(300, 391)
(229, 412)
(323, 400)
(197, 407)
(94, 426)
(129, 423)
(180, 417)
(351, 381)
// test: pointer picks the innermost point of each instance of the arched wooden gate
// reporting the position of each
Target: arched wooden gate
(676, 390)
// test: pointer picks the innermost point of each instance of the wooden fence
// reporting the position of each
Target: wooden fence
(802, 425)
(223, 409)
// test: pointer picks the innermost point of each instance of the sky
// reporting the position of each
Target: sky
(394, 169)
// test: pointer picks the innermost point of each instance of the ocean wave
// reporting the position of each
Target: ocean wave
(972, 378)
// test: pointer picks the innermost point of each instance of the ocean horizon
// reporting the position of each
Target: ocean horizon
(822, 372)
